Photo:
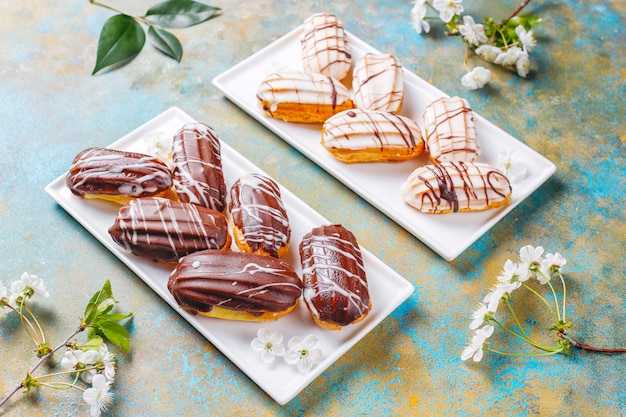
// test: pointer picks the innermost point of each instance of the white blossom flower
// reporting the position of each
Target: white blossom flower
(303, 352)
(448, 8)
(98, 395)
(475, 348)
(488, 52)
(27, 286)
(108, 362)
(478, 316)
(522, 65)
(530, 259)
(418, 15)
(526, 38)
(509, 272)
(552, 263)
(511, 165)
(509, 57)
(269, 343)
(476, 78)
(159, 145)
(77, 360)
(556, 261)
(472, 32)
(497, 292)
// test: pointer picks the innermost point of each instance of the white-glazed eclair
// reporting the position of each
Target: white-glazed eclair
(450, 131)
(378, 83)
(371, 136)
(301, 97)
(456, 186)
(325, 46)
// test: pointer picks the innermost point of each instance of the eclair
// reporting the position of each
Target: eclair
(455, 187)
(301, 97)
(334, 279)
(324, 45)
(378, 83)
(450, 131)
(117, 176)
(164, 230)
(197, 167)
(258, 215)
(371, 136)
(235, 285)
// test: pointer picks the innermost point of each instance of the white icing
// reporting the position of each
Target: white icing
(302, 88)
(325, 46)
(364, 129)
(378, 83)
(450, 130)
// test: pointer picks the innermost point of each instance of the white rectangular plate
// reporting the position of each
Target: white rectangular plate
(281, 381)
(379, 183)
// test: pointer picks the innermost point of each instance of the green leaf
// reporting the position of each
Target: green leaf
(121, 39)
(117, 317)
(180, 13)
(532, 19)
(116, 333)
(165, 42)
(103, 299)
(90, 313)
(93, 343)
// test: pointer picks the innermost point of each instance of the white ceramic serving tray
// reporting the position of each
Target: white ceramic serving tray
(281, 381)
(379, 183)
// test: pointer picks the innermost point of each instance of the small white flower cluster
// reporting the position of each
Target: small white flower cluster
(159, 145)
(509, 56)
(26, 287)
(511, 166)
(532, 264)
(302, 352)
(95, 367)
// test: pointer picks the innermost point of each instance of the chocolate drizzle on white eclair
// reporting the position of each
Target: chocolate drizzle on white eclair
(378, 83)
(450, 131)
(197, 167)
(325, 46)
(456, 186)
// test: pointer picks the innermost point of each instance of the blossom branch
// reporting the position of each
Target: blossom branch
(584, 346)
(517, 10)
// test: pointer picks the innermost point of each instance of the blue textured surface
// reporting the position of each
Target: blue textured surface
(570, 109)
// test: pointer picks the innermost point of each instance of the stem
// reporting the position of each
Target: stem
(522, 354)
(556, 301)
(106, 6)
(466, 59)
(564, 293)
(41, 361)
(25, 321)
(526, 339)
(517, 10)
(510, 307)
(584, 346)
(43, 336)
(542, 299)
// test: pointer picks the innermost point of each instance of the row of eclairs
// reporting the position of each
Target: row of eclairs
(180, 212)
(366, 126)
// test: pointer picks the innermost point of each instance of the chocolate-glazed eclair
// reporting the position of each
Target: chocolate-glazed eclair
(450, 131)
(117, 176)
(325, 46)
(456, 186)
(334, 279)
(371, 136)
(163, 230)
(259, 217)
(235, 285)
(197, 167)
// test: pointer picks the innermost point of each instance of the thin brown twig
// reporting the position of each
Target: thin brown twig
(517, 10)
(584, 346)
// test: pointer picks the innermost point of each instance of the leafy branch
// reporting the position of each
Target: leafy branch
(123, 37)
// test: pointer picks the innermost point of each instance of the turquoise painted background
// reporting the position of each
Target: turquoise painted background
(570, 109)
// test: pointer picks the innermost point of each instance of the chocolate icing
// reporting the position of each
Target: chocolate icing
(258, 212)
(234, 280)
(197, 167)
(165, 230)
(112, 172)
(333, 274)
